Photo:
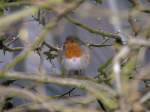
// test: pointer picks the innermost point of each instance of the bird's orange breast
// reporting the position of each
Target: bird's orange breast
(72, 50)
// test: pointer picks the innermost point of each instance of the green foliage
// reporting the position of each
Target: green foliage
(129, 67)
(99, 1)
(102, 72)
(1, 12)
(51, 54)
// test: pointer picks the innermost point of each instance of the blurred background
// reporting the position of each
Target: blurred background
(92, 13)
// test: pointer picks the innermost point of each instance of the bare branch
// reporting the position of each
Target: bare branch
(40, 37)
(91, 30)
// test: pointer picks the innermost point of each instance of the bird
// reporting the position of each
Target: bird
(76, 55)
(75, 58)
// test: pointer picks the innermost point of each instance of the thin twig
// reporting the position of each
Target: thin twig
(6, 48)
(51, 47)
(145, 97)
(68, 92)
(91, 30)
(24, 93)
(12, 41)
(97, 45)
(134, 25)
(39, 39)
(98, 90)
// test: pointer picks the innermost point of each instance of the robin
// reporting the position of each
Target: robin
(75, 55)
